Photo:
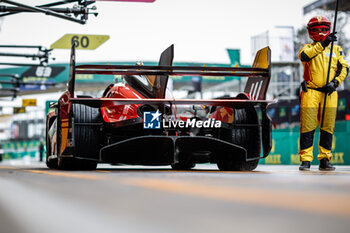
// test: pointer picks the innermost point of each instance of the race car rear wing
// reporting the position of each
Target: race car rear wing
(256, 86)
(108, 102)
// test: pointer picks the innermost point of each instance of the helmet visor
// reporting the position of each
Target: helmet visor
(319, 33)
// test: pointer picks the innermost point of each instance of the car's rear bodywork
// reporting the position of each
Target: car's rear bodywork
(84, 130)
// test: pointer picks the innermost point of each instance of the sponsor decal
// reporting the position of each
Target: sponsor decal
(328, 54)
(273, 159)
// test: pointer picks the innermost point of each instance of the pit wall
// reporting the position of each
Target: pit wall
(285, 144)
(20, 149)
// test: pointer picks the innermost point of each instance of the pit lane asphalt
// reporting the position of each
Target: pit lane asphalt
(280, 199)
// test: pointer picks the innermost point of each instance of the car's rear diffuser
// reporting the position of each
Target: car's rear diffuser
(166, 150)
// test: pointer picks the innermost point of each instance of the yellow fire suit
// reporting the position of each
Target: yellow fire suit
(315, 60)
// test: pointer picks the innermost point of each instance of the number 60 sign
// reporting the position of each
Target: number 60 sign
(81, 41)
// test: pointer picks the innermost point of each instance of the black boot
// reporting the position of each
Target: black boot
(305, 166)
(325, 165)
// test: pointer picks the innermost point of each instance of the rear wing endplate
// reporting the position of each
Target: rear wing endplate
(71, 79)
(257, 88)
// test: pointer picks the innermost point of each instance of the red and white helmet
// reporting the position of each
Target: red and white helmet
(319, 27)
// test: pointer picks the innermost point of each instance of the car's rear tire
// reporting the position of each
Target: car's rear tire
(181, 166)
(86, 139)
(50, 162)
(237, 165)
(185, 163)
(244, 137)
(68, 163)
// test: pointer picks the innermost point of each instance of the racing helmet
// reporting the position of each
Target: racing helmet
(319, 27)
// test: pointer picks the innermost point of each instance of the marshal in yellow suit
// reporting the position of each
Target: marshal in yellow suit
(315, 59)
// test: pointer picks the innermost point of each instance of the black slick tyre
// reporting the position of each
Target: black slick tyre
(50, 162)
(86, 139)
(245, 137)
(185, 163)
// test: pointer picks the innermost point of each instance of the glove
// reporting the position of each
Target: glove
(330, 87)
(331, 37)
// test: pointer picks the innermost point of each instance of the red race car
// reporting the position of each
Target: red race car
(134, 122)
